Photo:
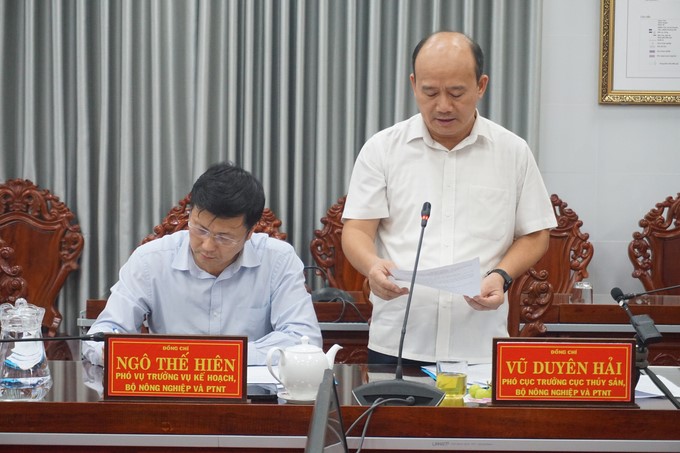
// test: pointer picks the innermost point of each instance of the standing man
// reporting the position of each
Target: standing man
(488, 200)
(216, 278)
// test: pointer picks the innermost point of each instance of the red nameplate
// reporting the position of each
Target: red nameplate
(175, 367)
(563, 371)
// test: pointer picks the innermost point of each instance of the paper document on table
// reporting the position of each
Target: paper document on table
(646, 388)
(460, 278)
(261, 375)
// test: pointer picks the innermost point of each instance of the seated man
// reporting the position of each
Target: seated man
(216, 278)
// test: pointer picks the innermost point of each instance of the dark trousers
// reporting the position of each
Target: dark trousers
(377, 358)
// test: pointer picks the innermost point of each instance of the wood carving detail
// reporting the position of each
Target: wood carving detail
(664, 359)
(47, 242)
(530, 304)
(326, 248)
(572, 242)
(655, 251)
(22, 199)
(565, 263)
(12, 285)
(177, 219)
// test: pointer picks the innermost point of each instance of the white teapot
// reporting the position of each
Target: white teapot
(301, 368)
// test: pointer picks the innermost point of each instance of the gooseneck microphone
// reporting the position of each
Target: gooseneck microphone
(618, 295)
(645, 333)
(424, 217)
(398, 391)
(97, 336)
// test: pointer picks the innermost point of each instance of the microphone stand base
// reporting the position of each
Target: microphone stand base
(424, 395)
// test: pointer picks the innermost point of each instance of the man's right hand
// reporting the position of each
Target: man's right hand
(358, 245)
(381, 285)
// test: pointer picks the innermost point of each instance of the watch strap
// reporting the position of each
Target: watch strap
(507, 280)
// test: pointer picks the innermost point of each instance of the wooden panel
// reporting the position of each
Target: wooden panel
(656, 420)
(342, 312)
(662, 309)
(284, 419)
(613, 314)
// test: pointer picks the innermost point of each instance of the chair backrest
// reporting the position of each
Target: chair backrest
(326, 248)
(530, 296)
(46, 240)
(177, 219)
(12, 285)
(565, 263)
(569, 251)
(655, 251)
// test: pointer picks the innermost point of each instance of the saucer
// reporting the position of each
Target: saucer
(289, 399)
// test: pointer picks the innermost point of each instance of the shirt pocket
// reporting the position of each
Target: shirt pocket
(489, 212)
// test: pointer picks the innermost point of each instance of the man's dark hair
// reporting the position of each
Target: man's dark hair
(228, 191)
(476, 52)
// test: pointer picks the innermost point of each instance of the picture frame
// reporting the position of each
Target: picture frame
(639, 52)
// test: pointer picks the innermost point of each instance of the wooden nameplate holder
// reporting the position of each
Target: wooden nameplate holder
(564, 371)
(175, 367)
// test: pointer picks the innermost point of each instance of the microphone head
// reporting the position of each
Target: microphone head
(617, 294)
(425, 213)
(97, 336)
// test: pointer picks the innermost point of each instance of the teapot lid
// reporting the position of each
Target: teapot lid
(304, 346)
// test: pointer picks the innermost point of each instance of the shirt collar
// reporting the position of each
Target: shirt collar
(418, 130)
(183, 258)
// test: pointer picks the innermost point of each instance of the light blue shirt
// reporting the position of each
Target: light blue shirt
(261, 295)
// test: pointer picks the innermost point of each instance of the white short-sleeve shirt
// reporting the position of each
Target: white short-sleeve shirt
(484, 193)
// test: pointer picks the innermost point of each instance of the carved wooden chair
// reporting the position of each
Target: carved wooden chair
(655, 251)
(326, 248)
(47, 244)
(565, 263)
(12, 285)
(178, 219)
(530, 296)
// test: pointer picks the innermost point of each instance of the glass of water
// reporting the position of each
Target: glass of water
(452, 379)
(581, 293)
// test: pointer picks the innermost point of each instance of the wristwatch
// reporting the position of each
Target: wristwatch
(507, 280)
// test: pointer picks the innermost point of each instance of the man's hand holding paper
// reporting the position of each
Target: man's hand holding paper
(490, 297)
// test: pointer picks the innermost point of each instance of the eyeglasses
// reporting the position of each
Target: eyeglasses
(219, 238)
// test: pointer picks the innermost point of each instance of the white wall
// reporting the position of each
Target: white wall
(610, 163)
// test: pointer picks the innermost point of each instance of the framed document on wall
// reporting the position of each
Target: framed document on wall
(640, 52)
